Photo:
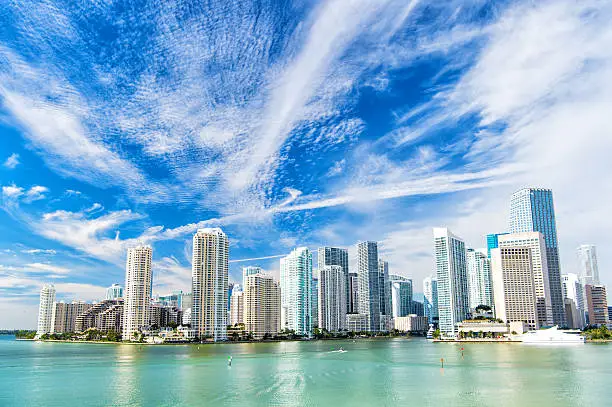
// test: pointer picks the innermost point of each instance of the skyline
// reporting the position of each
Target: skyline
(310, 131)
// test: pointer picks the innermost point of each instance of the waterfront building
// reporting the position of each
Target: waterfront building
(535, 242)
(597, 303)
(249, 271)
(453, 298)
(357, 323)
(486, 326)
(65, 315)
(314, 301)
(296, 291)
(104, 316)
(479, 278)
(384, 287)
(336, 256)
(332, 298)
(210, 284)
(589, 271)
(353, 293)
(45, 309)
(430, 298)
(401, 296)
(368, 277)
(237, 306)
(411, 323)
(492, 242)
(513, 286)
(164, 316)
(418, 308)
(573, 291)
(114, 291)
(138, 284)
(262, 304)
(532, 210)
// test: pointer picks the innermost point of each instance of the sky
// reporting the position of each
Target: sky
(290, 123)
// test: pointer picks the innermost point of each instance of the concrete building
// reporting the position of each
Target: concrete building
(532, 210)
(45, 310)
(453, 298)
(535, 242)
(249, 271)
(492, 242)
(597, 303)
(209, 275)
(589, 271)
(357, 323)
(484, 326)
(573, 292)
(237, 307)
(513, 286)
(65, 315)
(114, 291)
(296, 291)
(353, 293)
(138, 285)
(411, 323)
(314, 295)
(479, 278)
(430, 298)
(336, 256)
(332, 298)
(368, 277)
(104, 316)
(384, 288)
(262, 304)
(401, 296)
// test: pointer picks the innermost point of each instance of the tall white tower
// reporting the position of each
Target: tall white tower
(138, 286)
(332, 298)
(589, 272)
(210, 283)
(45, 309)
(296, 291)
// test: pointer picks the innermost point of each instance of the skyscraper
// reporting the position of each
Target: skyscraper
(453, 299)
(314, 302)
(589, 272)
(262, 304)
(368, 278)
(45, 310)
(401, 296)
(138, 285)
(384, 287)
(492, 242)
(332, 298)
(296, 291)
(114, 291)
(353, 293)
(479, 278)
(430, 298)
(597, 304)
(513, 286)
(336, 256)
(236, 307)
(532, 210)
(209, 275)
(573, 291)
(250, 270)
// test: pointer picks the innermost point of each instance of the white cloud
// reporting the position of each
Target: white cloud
(11, 191)
(39, 251)
(44, 267)
(12, 161)
(36, 193)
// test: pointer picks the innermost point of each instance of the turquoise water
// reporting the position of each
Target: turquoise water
(371, 373)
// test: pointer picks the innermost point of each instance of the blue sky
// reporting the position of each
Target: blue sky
(290, 123)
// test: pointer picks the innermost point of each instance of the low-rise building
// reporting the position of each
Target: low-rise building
(64, 315)
(357, 323)
(105, 316)
(412, 323)
(485, 326)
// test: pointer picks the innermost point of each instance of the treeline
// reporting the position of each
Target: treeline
(20, 334)
(601, 333)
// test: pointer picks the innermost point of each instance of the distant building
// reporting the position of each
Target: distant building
(357, 323)
(104, 316)
(45, 309)
(262, 305)
(237, 307)
(492, 242)
(138, 284)
(589, 271)
(597, 303)
(430, 298)
(114, 291)
(315, 302)
(401, 296)
(332, 298)
(573, 291)
(484, 326)
(336, 256)
(418, 308)
(532, 210)
(369, 283)
(453, 298)
(384, 287)
(479, 278)
(65, 315)
(164, 316)
(353, 293)
(249, 271)
(412, 323)
(296, 291)
(210, 284)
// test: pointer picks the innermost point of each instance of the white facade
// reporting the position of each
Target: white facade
(453, 298)
(479, 278)
(401, 296)
(209, 275)
(236, 307)
(589, 271)
(430, 297)
(332, 298)
(357, 323)
(249, 270)
(138, 284)
(296, 291)
(573, 290)
(411, 323)
(535, 242)
(45, 310)
(368, 279)
(262, 303)
(114, 292)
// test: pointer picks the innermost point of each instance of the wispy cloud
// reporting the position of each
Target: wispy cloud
(12, 161)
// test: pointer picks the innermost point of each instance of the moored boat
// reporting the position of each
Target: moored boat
(552, 336)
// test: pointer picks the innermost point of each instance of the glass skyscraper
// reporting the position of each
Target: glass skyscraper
(493, 242)
(368, 278)
(430, 298)
(532, 210)
(336, 256)
(296, 291)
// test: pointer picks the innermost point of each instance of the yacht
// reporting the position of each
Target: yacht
(552, 336)
(430, 332)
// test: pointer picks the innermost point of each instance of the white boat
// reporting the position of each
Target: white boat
(430, 332)
(552, 336)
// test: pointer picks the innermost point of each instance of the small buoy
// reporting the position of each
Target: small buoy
(229, 361)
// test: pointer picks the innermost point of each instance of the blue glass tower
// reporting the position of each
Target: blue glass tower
(532, 210)
(493, 242)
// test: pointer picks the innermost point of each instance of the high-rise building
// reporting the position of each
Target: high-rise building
(296, 291)
(138, 285)
(492, 242)
(45, 310)
(332, 298)
(573, 291)
(532, 210)
(237, 307)
(597, 303)
(479, 278)
(589, 272)
(368, 278)
(453, 298)
(336, 256)
(418, 308)
(401, 296)
(209, 275)
(114, 291)
(248, 271)
(513, 285)
(65, 315)
(353, 293)
(534, 241)
(107, 315)
(430, 298)
(262, 304)
(384, 287)
(314, 301)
